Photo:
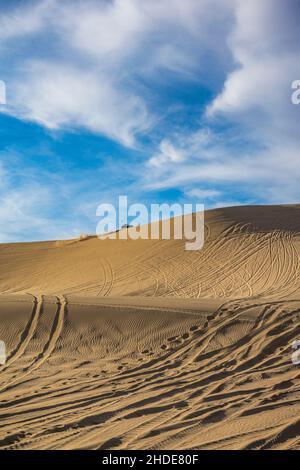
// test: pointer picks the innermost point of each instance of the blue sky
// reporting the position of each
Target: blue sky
(161, 100)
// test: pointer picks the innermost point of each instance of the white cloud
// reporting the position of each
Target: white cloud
(78, 63)
(24, 20)
(38, 205)
(203, 193)
(265, 45)
(105, 29)
(20, 212)
(58, 97)
(201, 145)
(256, 102)
(168, 154)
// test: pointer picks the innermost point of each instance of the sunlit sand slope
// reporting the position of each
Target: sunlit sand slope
(141, 344)
(247, 251)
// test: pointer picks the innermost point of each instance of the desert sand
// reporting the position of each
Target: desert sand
(140, 344)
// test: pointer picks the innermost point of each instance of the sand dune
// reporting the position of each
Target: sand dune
(123, 344)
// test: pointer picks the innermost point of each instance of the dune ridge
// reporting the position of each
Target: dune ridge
(123, 344)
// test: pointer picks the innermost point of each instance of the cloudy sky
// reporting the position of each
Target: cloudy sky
(161, 100)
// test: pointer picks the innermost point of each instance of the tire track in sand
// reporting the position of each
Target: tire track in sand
(109, 280)
(49, 347)
(27, 333)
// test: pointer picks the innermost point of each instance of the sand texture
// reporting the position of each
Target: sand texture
(140, 344)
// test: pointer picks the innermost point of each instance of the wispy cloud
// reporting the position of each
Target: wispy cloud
(92, 55)
(60, 97)
(253, 137)
(202, 100)
(201, 194)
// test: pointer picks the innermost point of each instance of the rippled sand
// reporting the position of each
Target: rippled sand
(142, 345)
